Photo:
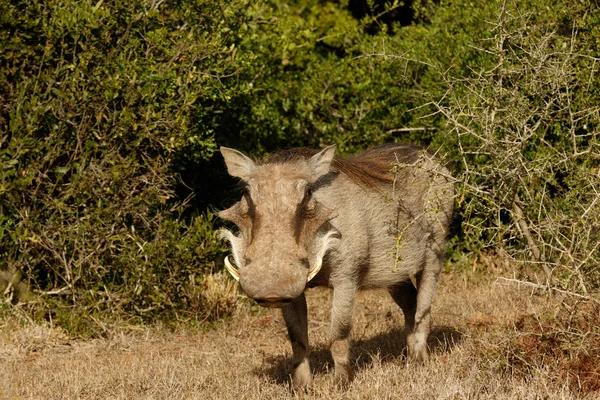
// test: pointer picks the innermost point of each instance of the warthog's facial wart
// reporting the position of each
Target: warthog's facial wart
(283, 237)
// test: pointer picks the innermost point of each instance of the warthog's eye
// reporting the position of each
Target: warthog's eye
(307, 195)
(309, 205)
(246, 204)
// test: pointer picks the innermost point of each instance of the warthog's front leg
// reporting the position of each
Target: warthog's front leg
(417, 339)
(341, 324)
(295, 316)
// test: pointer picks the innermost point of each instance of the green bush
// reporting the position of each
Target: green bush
(97, 101)
(111, 114)
(311, 84)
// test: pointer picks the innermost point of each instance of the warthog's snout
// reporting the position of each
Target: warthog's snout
(273, 285)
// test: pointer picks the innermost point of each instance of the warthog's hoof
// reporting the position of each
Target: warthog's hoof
(417, 350)
(301, 377)
(343, 375)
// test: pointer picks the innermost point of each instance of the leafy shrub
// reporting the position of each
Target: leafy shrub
(518, 120)
(96, 103)
(525, 133)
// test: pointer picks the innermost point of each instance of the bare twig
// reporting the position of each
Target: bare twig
(410, 129)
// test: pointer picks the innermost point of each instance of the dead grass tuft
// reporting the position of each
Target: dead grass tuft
(219, 297)
(565, 342)
(28, 340)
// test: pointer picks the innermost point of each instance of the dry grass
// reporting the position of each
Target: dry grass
(483, 345)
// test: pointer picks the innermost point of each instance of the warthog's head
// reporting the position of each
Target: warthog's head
(283, 232)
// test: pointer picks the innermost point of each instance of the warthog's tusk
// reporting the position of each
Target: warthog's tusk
(315, 270)
(232, 270)
(327, 240)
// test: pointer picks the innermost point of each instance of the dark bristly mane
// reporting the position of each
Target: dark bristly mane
(370, 168)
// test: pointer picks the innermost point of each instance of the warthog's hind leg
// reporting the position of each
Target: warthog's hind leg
(405, 295)
(427, 282)
(417, 340)
(341, 325)
(295, 316)
(416, 308)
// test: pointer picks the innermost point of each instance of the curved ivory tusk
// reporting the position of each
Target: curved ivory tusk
(231, 269)
(314, 271)
(327, 241)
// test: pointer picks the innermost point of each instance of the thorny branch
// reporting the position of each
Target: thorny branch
(528, 151)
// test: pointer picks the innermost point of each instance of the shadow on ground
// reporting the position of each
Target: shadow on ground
(385, 347)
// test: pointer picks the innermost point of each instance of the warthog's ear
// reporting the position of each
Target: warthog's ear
(238, 165)
(320, 162)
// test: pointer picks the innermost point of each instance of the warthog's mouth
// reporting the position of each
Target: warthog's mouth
(280, 303)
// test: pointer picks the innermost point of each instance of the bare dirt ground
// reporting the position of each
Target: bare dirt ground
(487, 343)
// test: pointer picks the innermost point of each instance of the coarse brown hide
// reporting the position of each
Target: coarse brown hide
(376, 220)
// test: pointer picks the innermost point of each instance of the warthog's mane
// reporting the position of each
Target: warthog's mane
(371, 168)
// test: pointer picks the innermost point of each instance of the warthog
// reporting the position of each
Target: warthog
(307, 218)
